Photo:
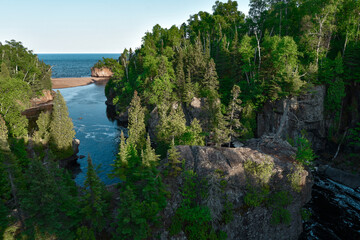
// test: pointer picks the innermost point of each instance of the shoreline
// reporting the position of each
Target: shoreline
(58, 83)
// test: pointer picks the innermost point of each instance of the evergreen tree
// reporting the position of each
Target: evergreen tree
(95, 207)
(149, 157)
(121, 162)
(61, 128)
(174, 160)
(136, 123)
(234, 110)
(172, 123)
(49, 199)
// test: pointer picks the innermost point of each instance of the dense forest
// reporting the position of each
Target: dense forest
(233, 64)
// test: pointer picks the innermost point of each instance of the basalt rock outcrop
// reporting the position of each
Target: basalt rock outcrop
(288, 117)
(101, 72)
(248, 222)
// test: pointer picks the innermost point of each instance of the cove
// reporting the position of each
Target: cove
(98, 135)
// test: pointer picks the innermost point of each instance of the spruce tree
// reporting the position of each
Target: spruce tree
(174, 160)
(95, 207)
(61, 127)
(172, 123)
(136, 123)
(121, 162)
(196, 131)
(234, 110)
(149, 157)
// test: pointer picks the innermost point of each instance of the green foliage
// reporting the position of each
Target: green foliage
(305, 214)
(84, 233)
(261, 172)
(174, 160)
(295, 177)
(354, 136)
(18, 149)
(4, 145)
(193, 135)
(278, 201)
(17, 62)
(61, 128)
(281, 216)
(131, 222)
(192, 217)
(136, 124)
(42, 135)
(4, 220)
(14, 98)
(50, 200)
(255, 196)
(172, 124)
(95, 208)
(305, 155)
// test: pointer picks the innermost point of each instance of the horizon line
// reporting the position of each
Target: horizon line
(76, 53)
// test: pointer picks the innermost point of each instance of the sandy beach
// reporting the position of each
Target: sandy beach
(75, 82)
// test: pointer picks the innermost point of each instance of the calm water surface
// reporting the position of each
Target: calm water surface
(73, 65)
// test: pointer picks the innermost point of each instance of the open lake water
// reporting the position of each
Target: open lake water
(98, 135)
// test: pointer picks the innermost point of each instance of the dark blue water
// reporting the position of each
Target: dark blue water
(98, 135)
(73, 65)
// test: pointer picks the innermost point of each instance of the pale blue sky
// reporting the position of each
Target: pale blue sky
(89, 26)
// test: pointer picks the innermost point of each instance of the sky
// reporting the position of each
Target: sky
(92, 26)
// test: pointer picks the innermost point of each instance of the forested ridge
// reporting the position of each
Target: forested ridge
(230, 63)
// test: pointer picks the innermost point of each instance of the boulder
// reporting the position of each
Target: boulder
(101, 72)
(286, 118)
(248, 222)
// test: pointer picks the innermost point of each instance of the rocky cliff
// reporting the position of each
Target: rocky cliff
(229, 167)
(39, 104)
(101, 72)
(288, 117)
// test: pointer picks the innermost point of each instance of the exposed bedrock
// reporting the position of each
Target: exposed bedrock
(248, 222)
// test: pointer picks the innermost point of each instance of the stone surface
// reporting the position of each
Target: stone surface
(101, 72)
(345, 178)
(288, 117)
(248, 222)
(46, 97)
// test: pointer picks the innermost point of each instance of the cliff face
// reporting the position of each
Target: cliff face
(39, 104)
(288, 117)
(101, 72)
(248, 222)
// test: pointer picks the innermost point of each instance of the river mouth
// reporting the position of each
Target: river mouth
(98, 135)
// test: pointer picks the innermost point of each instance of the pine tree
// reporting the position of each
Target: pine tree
(136, 123)
(149, 157)
(172, 123)
(61, 127)
(174, 160)
(121, 162)
(210, 80)
(95, 207)
(234, 110)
